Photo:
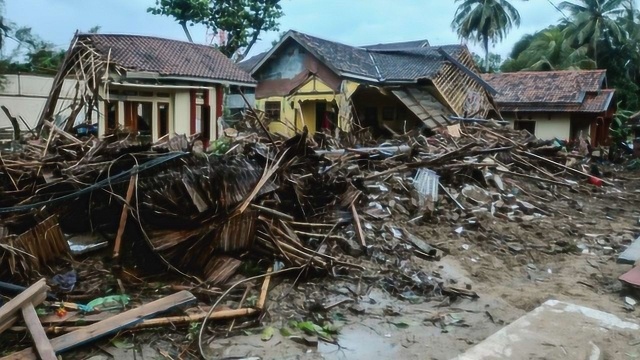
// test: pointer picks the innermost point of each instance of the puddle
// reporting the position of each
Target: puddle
(358, 342)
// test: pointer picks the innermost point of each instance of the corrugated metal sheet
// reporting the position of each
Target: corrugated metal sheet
(219, 269)
(237, 233)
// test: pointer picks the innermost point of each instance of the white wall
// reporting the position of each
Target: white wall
(548, 126)
(182, 111)
(26, 95)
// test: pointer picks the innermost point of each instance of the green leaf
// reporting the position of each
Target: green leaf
(122, 344)
(267, 333)
(325, 336)
(285, 332)
(308, 327)
(401, 324)
(332, 328)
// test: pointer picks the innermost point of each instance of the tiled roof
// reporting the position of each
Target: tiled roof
(597, 102)
(400, 62)
(419, 63)
(551, 91)
(168, 57)
(399, 45)
(249, 63)
(544, 86)
(342, 57)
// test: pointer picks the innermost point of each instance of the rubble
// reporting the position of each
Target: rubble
(265, 205)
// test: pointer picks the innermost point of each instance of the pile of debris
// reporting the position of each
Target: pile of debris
(327, 204)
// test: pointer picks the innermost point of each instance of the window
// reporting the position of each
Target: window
(112, 114)
(163, 119)
(530, 126)
(272, 110)
(138, 116)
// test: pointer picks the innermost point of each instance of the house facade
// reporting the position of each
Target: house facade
(562, 105)
(324, 85)
(152, 87)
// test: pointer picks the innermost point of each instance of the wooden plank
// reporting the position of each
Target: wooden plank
(265, 290)
(40, 340)
(29, 296)
(124, 214)
(358, 226)
(173, 321)
(8, 323)
(109, 326)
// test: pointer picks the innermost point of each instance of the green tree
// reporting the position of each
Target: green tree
(485, 21)
(4, 26)
(241, 20)
(495, 60)
(592, 21)
(39, 56)
(551, 50)
(185, 12)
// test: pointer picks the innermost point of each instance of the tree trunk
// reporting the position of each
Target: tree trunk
(595, 51)
(254, 38)
(260, 23)
(186, 30)
(485, 44)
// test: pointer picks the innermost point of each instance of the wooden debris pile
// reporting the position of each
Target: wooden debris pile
(300, 201)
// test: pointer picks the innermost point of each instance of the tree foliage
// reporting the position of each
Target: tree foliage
(593, 21)
(601, 34)
(242, 21)
(485, 21)
(495, 60)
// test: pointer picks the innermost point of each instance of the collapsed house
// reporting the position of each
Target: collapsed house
(308, 81)
(556, 104)
(146, 85)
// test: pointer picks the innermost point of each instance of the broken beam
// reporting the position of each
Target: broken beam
(109, 326)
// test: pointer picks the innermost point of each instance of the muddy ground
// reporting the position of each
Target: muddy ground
(512, 266)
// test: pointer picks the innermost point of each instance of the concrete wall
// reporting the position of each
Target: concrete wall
(548, 125)
(26, 95)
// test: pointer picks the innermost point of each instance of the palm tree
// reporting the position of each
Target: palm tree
(485, 21)
(550, 50)
(592, 20)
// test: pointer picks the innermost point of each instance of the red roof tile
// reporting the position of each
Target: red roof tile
(544, 86)
(168, 57)
(597, 102)
(551, 91)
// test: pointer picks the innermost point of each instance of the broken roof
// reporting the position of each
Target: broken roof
(167, 57)
(558, 91)
(396, 62)
(399, 45)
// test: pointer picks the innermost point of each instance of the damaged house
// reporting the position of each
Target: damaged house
(556, 104)
(308, 81)
(148, 86)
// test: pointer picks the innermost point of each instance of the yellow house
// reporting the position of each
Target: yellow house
(389, 88)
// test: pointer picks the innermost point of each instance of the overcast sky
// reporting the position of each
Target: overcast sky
(354, 22)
